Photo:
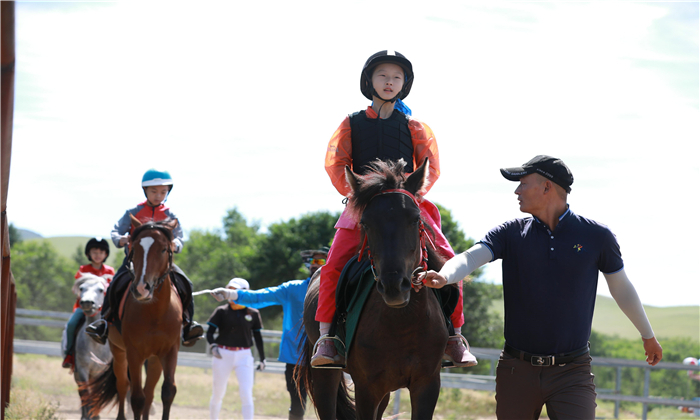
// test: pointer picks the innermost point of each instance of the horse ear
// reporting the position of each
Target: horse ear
(134, 221)
(171, 224)
(351, 178)
(419, 178)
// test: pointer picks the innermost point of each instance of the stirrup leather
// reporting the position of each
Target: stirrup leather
(329, 365)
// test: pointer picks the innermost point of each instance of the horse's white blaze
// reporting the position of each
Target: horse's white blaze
(146, 245)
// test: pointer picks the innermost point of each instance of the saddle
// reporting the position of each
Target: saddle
(354, 287)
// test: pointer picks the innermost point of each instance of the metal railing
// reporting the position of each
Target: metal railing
(448, 380)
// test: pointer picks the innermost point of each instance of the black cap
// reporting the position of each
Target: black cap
(549, 167)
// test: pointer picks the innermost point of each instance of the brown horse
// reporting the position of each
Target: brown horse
(401, 335)
(150, 326)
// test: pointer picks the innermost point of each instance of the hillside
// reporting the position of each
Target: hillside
(673, 321)
(67, 245)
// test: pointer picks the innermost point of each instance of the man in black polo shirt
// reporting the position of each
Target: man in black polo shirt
(550, 277)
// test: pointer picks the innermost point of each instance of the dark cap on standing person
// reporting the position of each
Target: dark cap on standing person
(549, 167)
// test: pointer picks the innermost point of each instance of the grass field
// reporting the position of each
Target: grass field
(41, 389)
(66, 246)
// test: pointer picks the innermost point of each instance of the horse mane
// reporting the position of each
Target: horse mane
(381, 176)
(84, 278)
(161, 226)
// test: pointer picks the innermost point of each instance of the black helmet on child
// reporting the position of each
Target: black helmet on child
(386, 57)
(99, 243)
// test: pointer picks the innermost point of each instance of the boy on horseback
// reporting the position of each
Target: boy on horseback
(97, 252)
(156, 186)
(382, 131)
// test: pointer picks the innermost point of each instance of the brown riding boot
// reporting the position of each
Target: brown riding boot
(457, 352)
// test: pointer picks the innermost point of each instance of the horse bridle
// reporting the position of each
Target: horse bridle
(424, 239)
(130, 257)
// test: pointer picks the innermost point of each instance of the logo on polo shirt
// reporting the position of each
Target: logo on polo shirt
(248, 318)
(578, 247)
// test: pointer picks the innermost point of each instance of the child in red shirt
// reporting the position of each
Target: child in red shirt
(97, 251)
(382, 131)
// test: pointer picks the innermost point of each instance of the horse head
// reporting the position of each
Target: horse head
(151, 256)
(91, 291)
(390, 220)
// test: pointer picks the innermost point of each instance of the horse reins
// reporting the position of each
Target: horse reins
(423, 236)
(130, 257)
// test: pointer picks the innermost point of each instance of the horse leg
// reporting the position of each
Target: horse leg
(153, 371)
(120, 368)
(169, 388)
(424, 397)
(382, 406)
(367, 402)
(325, 391)
(138, 398)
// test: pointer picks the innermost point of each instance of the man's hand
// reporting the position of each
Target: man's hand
(221, 293)
(432, 279)
(124, 240)
(261, 366)
(653, 350)
(215, 351)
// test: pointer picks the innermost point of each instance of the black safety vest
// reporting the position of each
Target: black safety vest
(375, 138)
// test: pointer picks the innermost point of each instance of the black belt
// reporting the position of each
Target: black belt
(548, 360)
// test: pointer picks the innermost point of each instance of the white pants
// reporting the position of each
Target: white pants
(243, 363)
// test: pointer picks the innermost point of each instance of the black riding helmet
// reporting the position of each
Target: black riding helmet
(386, 57)
(99, 243)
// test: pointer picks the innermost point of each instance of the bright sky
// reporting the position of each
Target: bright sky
(239, 99)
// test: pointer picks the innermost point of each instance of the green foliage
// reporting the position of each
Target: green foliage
(14, 235)
(43, 280)
(79, 256)
(277, 258)
(663, 383)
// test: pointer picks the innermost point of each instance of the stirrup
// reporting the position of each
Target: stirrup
(329, 365)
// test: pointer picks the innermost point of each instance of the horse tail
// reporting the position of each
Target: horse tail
(102, 391)
(344, 405)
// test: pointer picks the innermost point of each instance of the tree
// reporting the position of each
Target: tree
(43, 280)
(15, 237)
(277, 258)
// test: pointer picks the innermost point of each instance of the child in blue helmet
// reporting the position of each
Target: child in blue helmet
(156, 186)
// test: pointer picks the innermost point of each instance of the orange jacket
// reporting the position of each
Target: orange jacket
(339, 152)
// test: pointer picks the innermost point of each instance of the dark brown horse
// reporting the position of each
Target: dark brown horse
(401, 335)
(150, 326)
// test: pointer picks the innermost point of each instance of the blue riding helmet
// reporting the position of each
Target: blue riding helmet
(153, 178)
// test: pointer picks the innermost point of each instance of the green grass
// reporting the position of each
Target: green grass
(668, 322)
